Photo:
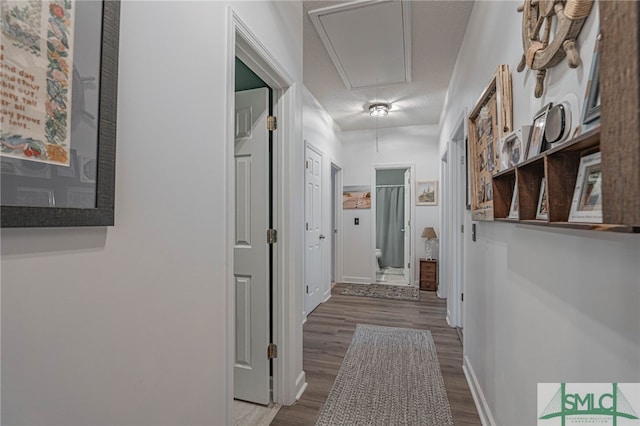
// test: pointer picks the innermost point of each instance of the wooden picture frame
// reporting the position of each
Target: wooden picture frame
(586, 204)
(488, 122)
(537, 142)
(427, 193)
(102, 214)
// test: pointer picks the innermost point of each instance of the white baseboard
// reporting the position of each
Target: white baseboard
(357, 280)
(478, 396)
(301, 385)
(327, 294)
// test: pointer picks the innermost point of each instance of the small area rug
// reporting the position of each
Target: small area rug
(390, 376)
(382, 291)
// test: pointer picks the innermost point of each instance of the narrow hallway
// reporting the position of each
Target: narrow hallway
(327, 335)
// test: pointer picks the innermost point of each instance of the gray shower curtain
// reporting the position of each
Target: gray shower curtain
(389, 224)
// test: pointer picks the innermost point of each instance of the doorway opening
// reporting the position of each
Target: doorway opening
(392, 234)
(336, 226)
(455, 169)
(285, 380)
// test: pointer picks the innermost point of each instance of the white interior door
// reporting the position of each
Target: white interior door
(407, 227)
(313, 228)
(251, 251)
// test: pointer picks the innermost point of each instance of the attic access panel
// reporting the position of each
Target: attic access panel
(368, 42)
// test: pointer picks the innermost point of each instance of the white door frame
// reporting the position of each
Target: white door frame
(456, 208)
(338, 218)
(412, 244)
(241, 42)
(444, 239)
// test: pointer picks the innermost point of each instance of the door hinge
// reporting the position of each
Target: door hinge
(272, 236)
(462, 297)
(409, 265)
(272, 123)
(306, 164)
(462, 228)
(272, 351)
(307, 289)
(306, 226)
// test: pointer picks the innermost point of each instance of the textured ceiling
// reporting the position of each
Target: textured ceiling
(437, 30)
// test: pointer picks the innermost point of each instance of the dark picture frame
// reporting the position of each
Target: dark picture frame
(102, 214)
(537, 142)
(591, 108)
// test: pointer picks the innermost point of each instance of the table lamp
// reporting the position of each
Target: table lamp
(428, 234)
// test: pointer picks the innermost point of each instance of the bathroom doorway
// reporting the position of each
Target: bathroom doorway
(392, 225)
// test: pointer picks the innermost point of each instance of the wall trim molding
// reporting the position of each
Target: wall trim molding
(484, 411)
(301, 384)
(356, 280)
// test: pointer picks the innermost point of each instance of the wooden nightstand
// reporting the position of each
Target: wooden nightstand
(428, 274)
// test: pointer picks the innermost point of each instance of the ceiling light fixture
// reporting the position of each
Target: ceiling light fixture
(379, 110)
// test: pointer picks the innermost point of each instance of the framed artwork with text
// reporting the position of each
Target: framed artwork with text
(59, 65)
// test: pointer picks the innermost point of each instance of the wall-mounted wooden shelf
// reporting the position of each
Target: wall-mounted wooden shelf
(559, 167)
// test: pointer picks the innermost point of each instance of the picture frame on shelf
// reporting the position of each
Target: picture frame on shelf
(591, 106)
(489, 120)
(512, 147)
(514, 211)
(536, 143)
(86, 127)
(586, 204)
(427, 193)
(542, 211)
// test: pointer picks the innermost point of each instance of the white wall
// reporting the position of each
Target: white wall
(402, 145)
(324, 135)
(541, 305)
(127, 325)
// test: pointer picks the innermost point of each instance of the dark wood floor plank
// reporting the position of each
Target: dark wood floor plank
(327, 335)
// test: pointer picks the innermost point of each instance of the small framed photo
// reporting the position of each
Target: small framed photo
(427, 193)
(514, 210)
(356, 197)
(542, 212)
(512, 147)
(586, 205)
(536, 138)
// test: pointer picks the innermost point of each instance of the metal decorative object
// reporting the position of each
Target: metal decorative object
(541, 50)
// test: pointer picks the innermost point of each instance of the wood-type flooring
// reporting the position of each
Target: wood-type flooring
(327, 335)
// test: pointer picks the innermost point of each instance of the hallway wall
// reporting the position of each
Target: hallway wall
(320, 131)
(129, 324)
(541, 305)
(401, 145)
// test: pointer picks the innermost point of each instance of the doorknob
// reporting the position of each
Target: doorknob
(322, 237)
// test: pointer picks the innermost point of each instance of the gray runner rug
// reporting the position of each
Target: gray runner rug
(382, 291)
(389, 376)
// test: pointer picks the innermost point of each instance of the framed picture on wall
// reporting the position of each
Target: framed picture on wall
(59, 138)
(356, 197)
(427, 193)
(488, 122)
